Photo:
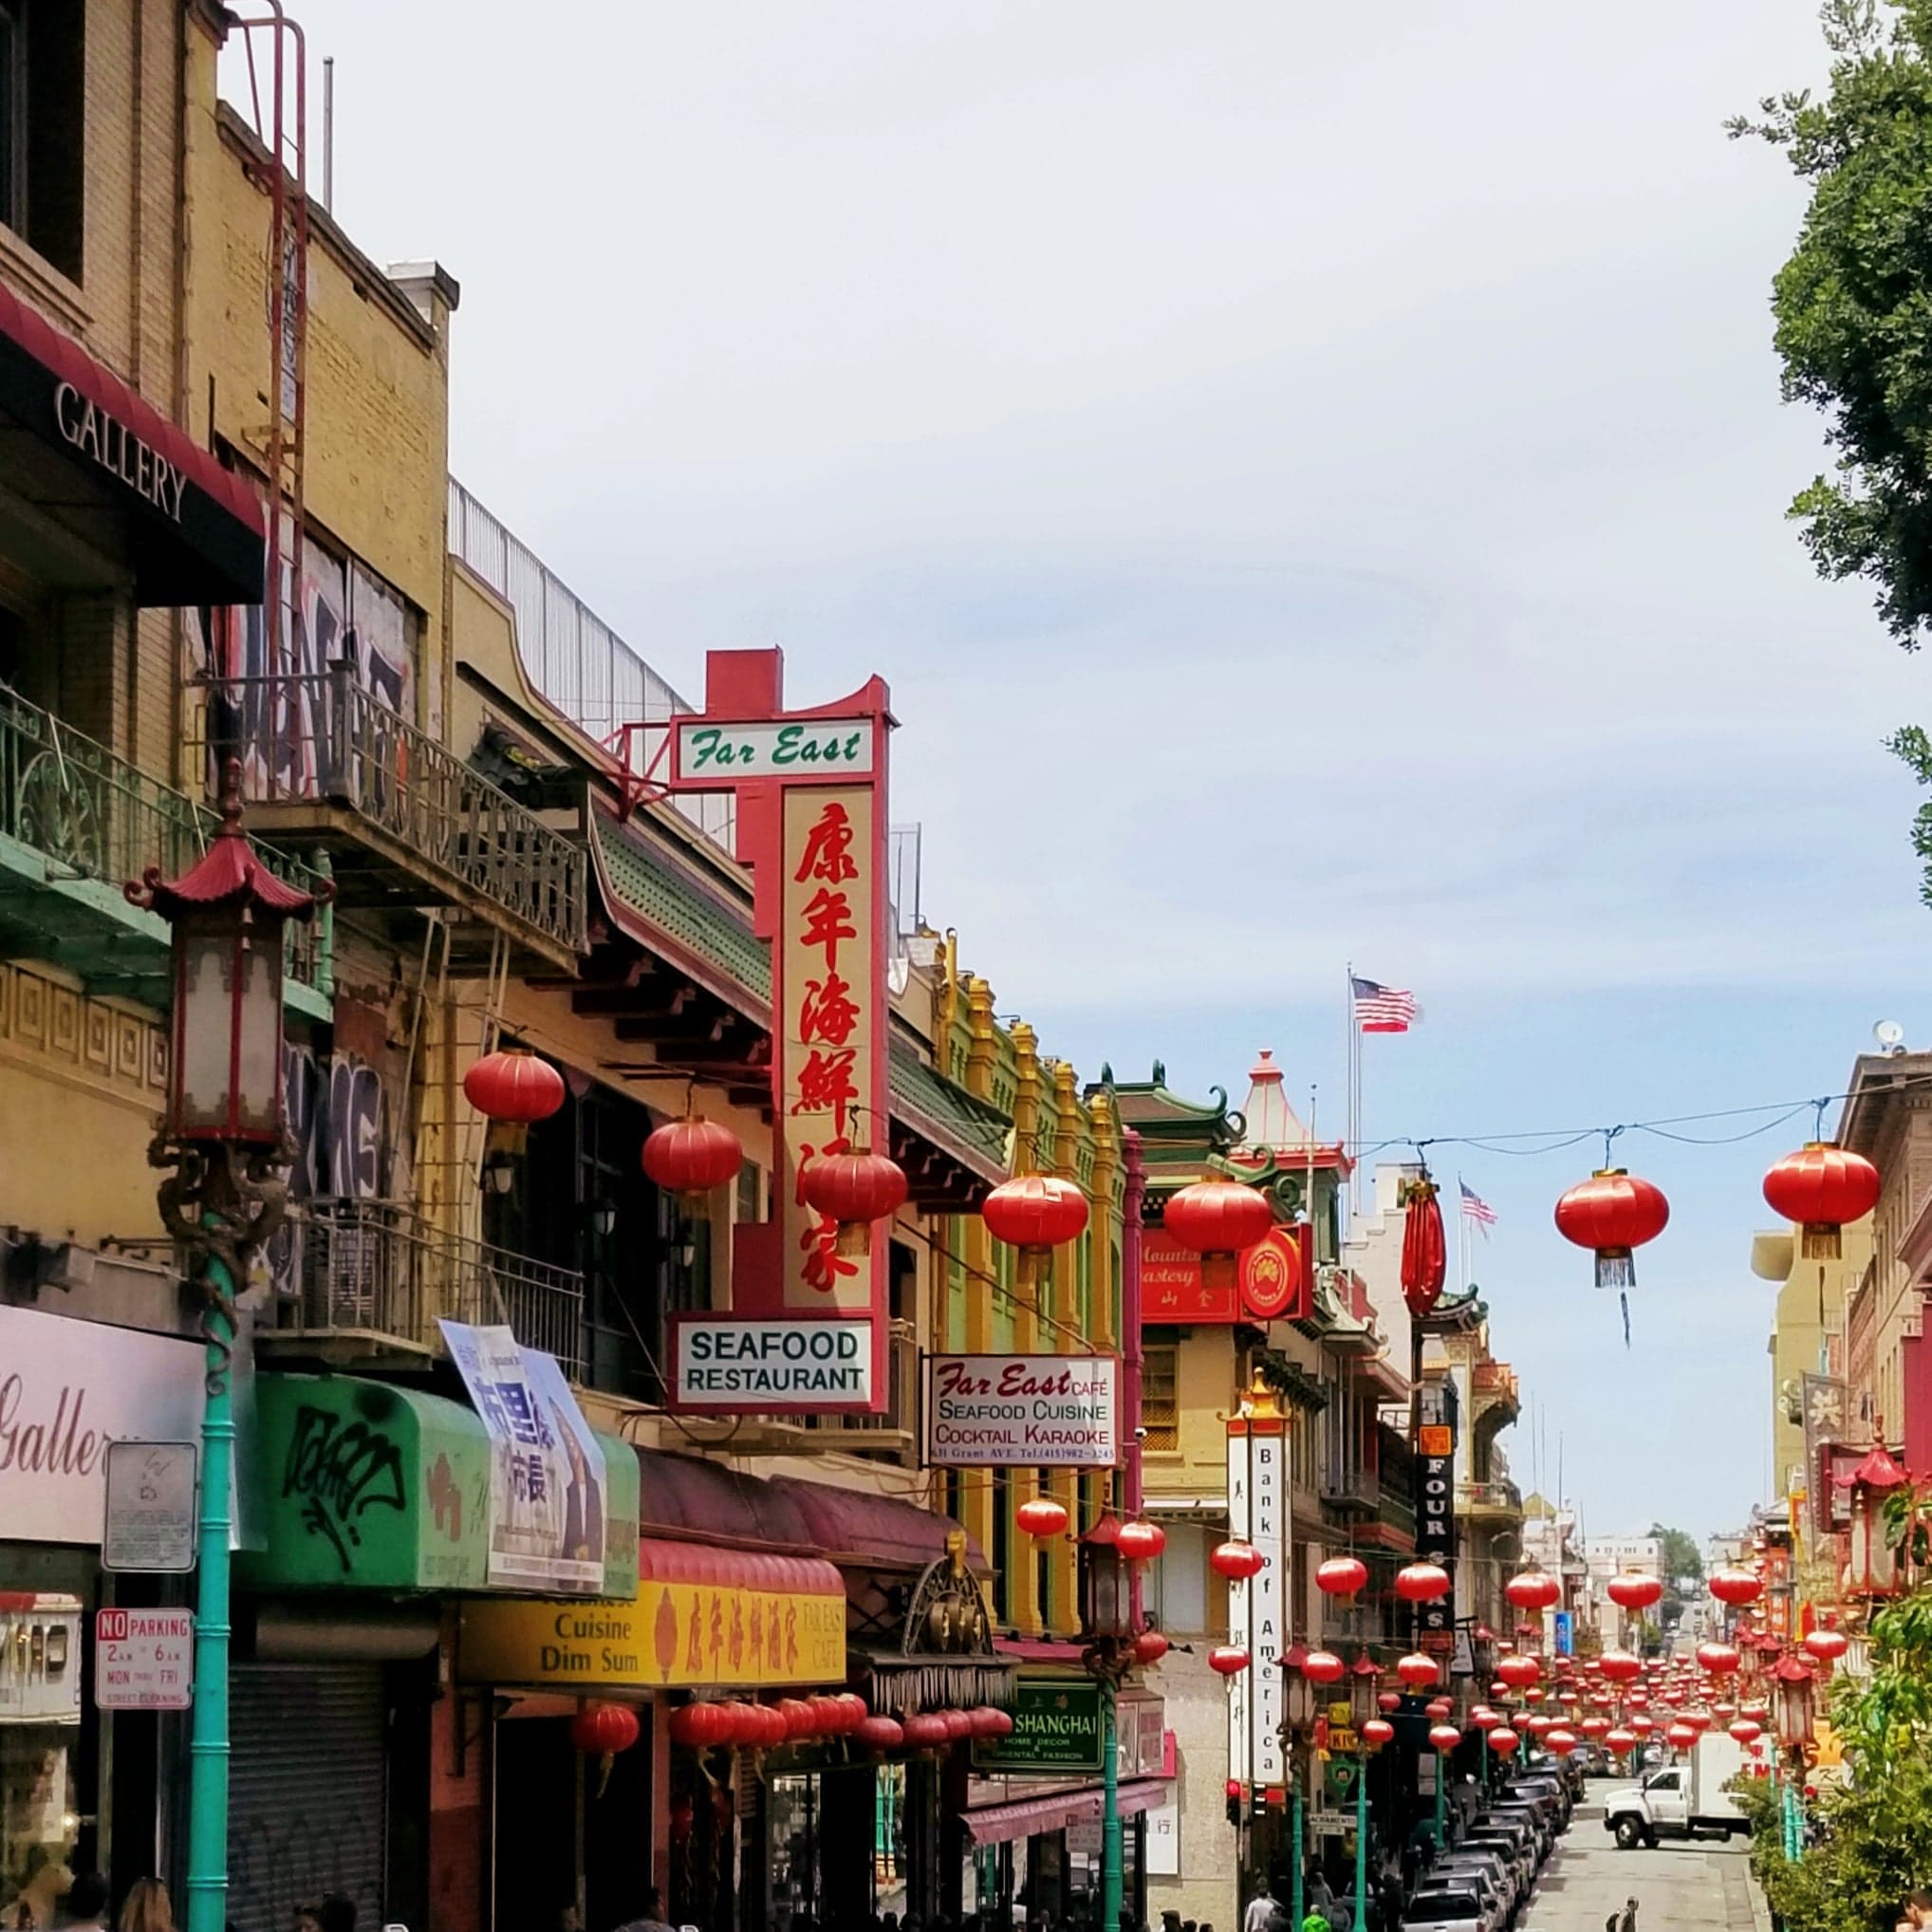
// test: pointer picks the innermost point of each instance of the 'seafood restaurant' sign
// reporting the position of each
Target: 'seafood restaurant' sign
(1023, 1411)
(812, 816)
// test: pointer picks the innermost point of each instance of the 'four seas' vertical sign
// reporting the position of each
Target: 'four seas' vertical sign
(807, 1325)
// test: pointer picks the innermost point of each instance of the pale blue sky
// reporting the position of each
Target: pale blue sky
(1314, 482)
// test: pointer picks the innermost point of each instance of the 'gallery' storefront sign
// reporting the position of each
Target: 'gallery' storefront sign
(1023, 1411)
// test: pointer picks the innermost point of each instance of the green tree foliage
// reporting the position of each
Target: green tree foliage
(1853, 311)
(1684, 1563)
(1854, 305)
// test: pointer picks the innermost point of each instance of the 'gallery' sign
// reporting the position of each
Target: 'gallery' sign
(1023, 1411)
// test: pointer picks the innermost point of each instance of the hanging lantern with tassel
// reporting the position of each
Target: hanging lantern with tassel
(1822, 1187)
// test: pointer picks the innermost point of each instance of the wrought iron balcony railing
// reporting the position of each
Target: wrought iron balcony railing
(1488, 1498)
(378, 1268)
(93, 820)
(324, 739)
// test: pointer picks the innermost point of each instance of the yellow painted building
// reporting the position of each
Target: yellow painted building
(1807, 1333)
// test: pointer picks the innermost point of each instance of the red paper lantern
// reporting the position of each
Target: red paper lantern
(991, 1721)
(1736, 1587)
(1827, 1646)
(1681, 1736)
(1150, 1646)
(1377, 1732)
(1595, 1727)
(1417, 1671)
(879, 1734)
(741, 1722)
(1620, 1666)
(1613, 1213)
(1218, 1218)
(1140, 1541)
(511, 1084)
(1444, 1736)
(1534, 1589)
(924, 1731)
(1237, 1561)
(1502, 1740)
(1720, 1659)
(691, 1156)
(1633, 1592)
(1228, 1659)
(1642, 1725)
(855, 1190)
(1042, 1517)
(797, 1714)
(1519, 1672)
(1034, 1212)
(1746, 1730)
(1560, 1743)
(602, 1730)
(1426, 1254)
(695, 1726)
(1323, 1666)
(958, 1724)
(1422, 1583)
(1620, 1742)
(1341, 1577)
(1386, 1702)
(1483, 1718)
(1822, 1187)
(1437, 1709)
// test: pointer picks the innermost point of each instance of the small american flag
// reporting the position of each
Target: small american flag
(1382, 1009)
(1474, 1206)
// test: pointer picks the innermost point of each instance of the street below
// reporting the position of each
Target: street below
(1678, 1887)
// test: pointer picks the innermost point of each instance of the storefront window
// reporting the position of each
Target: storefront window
(40, 1747)
(794, 1803)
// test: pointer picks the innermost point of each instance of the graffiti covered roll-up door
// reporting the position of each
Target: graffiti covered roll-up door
(307, 1797)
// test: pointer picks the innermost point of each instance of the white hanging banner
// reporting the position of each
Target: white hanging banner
(1257, 1607)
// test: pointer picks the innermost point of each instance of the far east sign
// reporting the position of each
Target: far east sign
(1022, 1411)
(808, 1324)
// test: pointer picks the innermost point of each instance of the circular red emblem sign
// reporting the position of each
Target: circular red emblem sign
(1270, 1276)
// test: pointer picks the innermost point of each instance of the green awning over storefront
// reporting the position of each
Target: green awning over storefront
(367, 1486)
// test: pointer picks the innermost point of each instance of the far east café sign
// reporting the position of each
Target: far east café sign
(808, 1326)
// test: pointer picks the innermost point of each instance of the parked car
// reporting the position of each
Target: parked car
(1474, 1879)
(1500, 1869)
(1448, 1911)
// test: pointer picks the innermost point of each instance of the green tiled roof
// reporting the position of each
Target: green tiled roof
(654, 886)
(977, 1130)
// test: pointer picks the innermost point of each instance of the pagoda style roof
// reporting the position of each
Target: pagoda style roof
(1181, 1139)
(1274, 1128)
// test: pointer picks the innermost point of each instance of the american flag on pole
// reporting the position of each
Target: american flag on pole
(1474, 1206)
(1382, 1009)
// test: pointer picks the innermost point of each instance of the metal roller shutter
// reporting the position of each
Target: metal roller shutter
(306, 1796)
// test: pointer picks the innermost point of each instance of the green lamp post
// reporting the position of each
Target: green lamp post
(1372, 1731)
(222, 1135)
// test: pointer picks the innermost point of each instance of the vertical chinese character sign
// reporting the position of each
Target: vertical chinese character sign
(811, 817)
(1258, 1513)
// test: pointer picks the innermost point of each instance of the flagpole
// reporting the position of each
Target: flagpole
(1354, 1142)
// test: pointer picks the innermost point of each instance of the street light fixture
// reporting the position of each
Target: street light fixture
(222, 1133)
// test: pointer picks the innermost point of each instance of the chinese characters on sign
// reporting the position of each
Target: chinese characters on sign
(1273, 1282)
(828, 989)
(547, 1482)
(1257, 1607)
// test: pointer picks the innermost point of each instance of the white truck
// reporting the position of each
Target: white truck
(1683, 1799)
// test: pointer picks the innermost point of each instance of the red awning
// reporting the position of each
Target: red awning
(736, 1568)
(1056, 1811)
(871, 1532)
(195, 530)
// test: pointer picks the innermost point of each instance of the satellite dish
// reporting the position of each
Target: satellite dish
(1891, 1036)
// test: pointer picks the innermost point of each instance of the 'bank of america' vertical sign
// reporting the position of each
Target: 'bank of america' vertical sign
(1258, 1513)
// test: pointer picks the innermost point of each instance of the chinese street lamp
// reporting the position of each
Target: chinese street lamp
(1364, 1711)
(1298, 1720)
(222, 1133)
(1874, 1567)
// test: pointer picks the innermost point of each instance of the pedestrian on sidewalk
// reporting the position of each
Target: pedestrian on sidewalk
(146, 1908)
(1918, 1912)
(86, 1904)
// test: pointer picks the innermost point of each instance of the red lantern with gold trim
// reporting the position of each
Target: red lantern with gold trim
(1425, 1253)
(1822, 1187)
(855, 1190)
(691, 1156)
(1034, 1212)
(1218, 1218)
(515, 1086)
(1341, 1577)
(1237, 1560)
(1140, 1541)
(1041, 1516)
(1613, 1213)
